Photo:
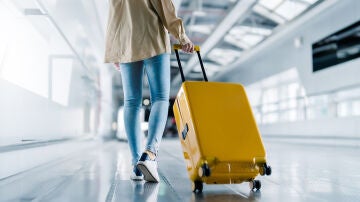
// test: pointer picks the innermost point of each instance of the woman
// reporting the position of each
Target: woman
(137, 39)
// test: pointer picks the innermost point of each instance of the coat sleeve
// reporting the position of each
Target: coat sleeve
(166, 11)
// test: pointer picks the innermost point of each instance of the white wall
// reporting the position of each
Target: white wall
(50, 56)
(346, 127)
(25, 115)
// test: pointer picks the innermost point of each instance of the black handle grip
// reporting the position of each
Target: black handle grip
(197, 49)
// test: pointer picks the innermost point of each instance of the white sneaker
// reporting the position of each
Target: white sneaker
(136, 174)
(148, 168)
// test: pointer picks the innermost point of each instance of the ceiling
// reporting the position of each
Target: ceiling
(227, 29)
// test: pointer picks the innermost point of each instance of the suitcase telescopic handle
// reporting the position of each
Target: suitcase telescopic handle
(178, 47)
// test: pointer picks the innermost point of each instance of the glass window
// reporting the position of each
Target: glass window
(270, 4)
(344, 109)
(24, 58)
(254, 95)
(356, 108)
(290, 9)
(269, 14)
(271, 118)
(282, 98)
(252, 39)
(61, 71)
(270, 108)
(270, 95)
(28, 42)
(223, 56)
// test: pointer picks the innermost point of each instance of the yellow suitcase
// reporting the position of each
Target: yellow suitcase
(218, 133)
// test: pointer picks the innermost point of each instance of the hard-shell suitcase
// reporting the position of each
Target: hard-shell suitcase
(218, 133)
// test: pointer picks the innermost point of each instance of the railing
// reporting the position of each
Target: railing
(342, 102)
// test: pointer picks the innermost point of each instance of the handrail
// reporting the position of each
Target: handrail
(303, 105)
(313, 95)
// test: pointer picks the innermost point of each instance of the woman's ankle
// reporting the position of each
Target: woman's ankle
(152, 155)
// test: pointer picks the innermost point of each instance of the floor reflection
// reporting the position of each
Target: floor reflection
(226, 196)
(102, 173)
(145, 191)
(135, 191)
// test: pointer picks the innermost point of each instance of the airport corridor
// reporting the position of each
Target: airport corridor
(78, 78)
(301, 172)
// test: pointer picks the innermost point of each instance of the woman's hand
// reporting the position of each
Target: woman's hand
(188, 48)
(117, 66)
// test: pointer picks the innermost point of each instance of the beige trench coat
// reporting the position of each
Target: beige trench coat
(138, 29)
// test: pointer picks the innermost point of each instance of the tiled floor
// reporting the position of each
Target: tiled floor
(300, 173)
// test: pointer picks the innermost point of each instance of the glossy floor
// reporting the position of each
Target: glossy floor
(300, 173)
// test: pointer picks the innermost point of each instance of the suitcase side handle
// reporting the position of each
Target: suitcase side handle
(177, 47)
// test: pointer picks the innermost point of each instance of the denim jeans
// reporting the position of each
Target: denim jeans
(157, 70)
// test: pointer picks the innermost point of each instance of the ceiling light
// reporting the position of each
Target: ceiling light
(33, 11)
(146, 102)
(298, 42)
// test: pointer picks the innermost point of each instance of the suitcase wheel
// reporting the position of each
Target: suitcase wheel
(255, 184)
(204, 170)
(265, 170)
(197, 186)
(268, 170)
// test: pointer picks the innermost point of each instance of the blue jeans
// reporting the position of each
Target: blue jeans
(157, 70)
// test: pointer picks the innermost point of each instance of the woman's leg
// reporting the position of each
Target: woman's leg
(158, 72)
(132, 76)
